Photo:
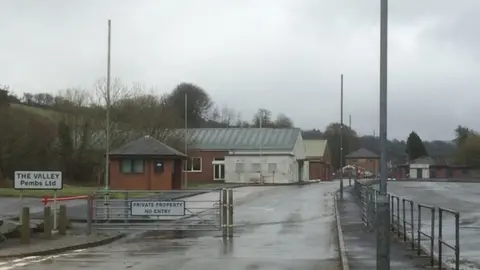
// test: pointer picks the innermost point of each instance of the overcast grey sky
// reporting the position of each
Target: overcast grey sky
(285, 55)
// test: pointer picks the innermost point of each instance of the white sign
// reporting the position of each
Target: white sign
(158, 208)
(49, 180)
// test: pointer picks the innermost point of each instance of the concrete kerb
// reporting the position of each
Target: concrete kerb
(54, 251)
(341, 242)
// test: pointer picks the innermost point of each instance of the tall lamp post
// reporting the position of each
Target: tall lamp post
(341, 137)
(383, 216)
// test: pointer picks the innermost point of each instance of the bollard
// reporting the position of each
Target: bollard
(224, 212)
(230, 213)
(25, 226)
(62, 220)
(47, 222)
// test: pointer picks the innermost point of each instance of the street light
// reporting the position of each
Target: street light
(383, 217)
(341, 137)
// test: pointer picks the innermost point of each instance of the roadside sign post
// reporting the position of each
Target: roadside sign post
(39, 180)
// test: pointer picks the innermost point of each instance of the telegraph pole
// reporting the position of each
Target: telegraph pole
(383, 216)
(341, 137)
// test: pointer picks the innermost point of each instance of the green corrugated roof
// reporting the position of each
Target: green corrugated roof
(243, 138)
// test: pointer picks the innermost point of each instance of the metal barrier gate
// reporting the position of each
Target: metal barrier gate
(173, 210)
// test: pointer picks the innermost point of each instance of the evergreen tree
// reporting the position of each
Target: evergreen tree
(415, 147)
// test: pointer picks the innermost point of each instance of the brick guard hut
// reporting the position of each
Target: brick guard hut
(364, 158)
(146, 164)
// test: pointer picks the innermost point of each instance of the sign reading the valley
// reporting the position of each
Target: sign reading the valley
(50, 180)
(158, 208)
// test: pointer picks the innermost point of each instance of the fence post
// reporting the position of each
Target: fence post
(224, 212)
(432, 240)
(370, 210)
(392, 213)
(398, 216)
(126, 211)
(457, 241)
(440, 235)
(404, 221)
(412, 223)
(89, 213)
(419, 229)
(230, 214)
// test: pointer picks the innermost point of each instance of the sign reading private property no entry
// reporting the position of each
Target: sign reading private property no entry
(48, 180)
(158, 208)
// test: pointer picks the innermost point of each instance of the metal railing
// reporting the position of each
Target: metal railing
(145, 210)
(413, 224)
(442, 242)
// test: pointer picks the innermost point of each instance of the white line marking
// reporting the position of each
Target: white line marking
(33, 259)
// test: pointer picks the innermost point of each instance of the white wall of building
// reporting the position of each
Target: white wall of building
(276, 166)
(274, 169)
(425, 170)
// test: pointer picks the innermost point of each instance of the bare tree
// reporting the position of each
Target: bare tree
(224, 115)
(283, 121)
(263, 118)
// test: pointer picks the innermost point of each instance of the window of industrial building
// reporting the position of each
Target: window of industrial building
(272, 167)
(256, 167)
(239, 167)
(193, 164)
(132, 166)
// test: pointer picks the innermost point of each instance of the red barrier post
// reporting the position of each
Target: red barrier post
(45, 200)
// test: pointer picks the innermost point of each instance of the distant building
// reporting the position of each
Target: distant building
(365, 159)
(318, 158)
(146, 164)
(429, 168)
(246, 155)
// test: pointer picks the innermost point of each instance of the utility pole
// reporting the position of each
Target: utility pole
(107, 97)
(186, 141)
(341, 137)
(383, 216)
(350, 147)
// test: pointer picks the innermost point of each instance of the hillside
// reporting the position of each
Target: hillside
(41, 111)
(443, 150)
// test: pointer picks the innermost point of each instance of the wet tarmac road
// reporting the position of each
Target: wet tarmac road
(290, 227)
